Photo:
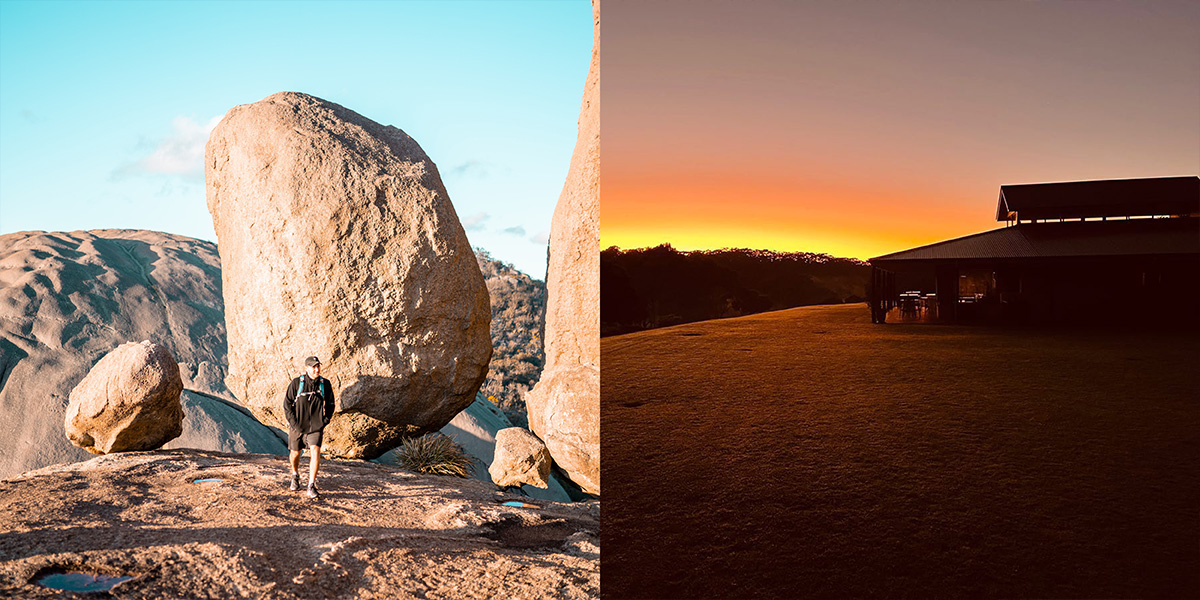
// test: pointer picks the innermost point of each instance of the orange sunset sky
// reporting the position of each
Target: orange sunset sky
(861, 128)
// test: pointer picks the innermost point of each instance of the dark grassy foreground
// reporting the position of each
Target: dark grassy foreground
(808, 453)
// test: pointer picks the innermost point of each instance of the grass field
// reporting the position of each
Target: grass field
(809, 453)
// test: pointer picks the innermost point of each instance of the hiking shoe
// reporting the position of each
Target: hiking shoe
(312, 491)
(295, 482)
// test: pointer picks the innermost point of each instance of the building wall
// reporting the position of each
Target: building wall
(1108, 290)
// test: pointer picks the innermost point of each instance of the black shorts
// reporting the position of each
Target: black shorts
(297, 441)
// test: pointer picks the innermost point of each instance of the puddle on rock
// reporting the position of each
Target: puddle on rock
(211, 480)
(81, 582)
(520, 505)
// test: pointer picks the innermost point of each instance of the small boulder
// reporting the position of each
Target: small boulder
(520, 458)
(128, 401)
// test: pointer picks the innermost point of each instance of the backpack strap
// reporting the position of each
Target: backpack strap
(322, 388)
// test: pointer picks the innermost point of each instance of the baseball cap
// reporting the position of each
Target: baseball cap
(312, 361)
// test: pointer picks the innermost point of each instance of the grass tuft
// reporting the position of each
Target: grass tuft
(434, 454)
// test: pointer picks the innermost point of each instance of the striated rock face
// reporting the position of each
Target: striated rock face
(69, 298)
(337, 239)
(520, 458)
(564, 407)
(377, 532)
(212, 423)
(128, 401)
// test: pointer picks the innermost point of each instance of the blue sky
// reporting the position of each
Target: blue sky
(105, 106)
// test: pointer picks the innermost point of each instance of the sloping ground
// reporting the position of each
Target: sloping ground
(658, 287)
(809, 453)
(377, 532)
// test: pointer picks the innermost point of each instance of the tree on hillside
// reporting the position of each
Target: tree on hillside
(518, 322)
(661, 286)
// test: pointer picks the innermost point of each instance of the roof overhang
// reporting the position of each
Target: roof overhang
(1156, 196)
(1125, 237)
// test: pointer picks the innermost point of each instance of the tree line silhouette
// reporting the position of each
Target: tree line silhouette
(661, 286)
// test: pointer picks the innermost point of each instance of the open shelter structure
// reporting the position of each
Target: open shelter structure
(1112, 250)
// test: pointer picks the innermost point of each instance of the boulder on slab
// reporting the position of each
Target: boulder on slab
(69, 298)
(564, 407)
(474, 429)
(129, 401)
(520, 458)
(338, 239)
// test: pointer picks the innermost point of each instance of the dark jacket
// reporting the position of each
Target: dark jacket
(310, 412)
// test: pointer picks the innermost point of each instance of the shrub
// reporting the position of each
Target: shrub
(434, 454)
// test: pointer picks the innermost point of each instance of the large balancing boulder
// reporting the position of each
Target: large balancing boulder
(129, 401)
(337, 239)
(564, 407)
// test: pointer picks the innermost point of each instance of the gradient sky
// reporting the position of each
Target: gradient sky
(105, 106)
(862, 128)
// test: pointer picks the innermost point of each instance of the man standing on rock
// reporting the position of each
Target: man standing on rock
(308, 405)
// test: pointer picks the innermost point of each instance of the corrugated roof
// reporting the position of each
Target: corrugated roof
(1075, 238)
(1106, 198)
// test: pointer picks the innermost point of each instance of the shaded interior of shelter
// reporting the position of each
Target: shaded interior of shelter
(1103, 252)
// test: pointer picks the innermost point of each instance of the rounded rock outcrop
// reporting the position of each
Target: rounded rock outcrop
(564, 407)
(337, 239)
(520, 457)
(128, 401)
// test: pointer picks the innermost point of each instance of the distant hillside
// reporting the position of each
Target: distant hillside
(661, 286)
(518, 317)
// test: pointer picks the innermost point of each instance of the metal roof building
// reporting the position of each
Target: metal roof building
(1072, 251)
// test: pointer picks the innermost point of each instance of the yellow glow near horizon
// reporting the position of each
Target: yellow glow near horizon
(783, 216)
(840, 244)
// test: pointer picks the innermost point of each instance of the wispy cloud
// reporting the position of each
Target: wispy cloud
(517, 231)
(29, 115)
(471, 167)
(180, 154)
(477, 169)
(540, 238)
(475, 222)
